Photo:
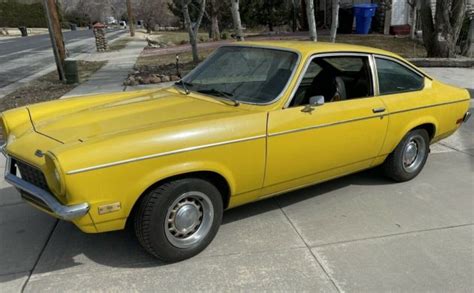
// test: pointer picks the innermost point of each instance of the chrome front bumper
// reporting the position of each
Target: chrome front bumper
(466, 117)
(40, 197)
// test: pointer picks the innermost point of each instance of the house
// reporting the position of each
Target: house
(392, 16)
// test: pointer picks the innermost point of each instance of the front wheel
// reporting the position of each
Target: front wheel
(179, 219)
(409, 157)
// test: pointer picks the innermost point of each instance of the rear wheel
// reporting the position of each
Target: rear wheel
(409, 157)
(179, 219)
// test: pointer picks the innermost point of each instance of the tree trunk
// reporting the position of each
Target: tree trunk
(193, 31)
(236, 19)
(441, 34)
(334, 20)
(131, 18)
(468, 48)
(294, 10)
(215, 34)
(413, 25)
(311, 20)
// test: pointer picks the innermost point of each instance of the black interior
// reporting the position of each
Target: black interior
(336, 83)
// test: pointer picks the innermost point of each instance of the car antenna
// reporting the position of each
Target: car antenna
(177, 66)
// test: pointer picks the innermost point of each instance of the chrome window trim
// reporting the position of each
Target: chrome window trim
(162, 154)
(375, 77)
(283, 91)
(322, 55)
(402, 63)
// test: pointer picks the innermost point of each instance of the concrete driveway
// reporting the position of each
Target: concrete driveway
(360, 233)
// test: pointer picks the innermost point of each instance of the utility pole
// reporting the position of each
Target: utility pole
(56, 35)
(131, 18)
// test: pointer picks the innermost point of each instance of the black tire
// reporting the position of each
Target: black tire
(394, 166)
(154, 211)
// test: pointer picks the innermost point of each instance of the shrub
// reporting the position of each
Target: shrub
(13, 14)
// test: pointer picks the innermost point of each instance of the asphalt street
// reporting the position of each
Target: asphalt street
(22, 57)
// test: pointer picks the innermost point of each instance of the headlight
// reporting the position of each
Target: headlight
(54, 175)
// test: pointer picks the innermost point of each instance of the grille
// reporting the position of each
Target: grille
(31, 175)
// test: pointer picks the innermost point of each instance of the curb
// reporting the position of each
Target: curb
(442, 62)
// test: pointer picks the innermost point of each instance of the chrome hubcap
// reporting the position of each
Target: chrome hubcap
(414, 153)
(186, 218)
(189, 219)
(411, 151)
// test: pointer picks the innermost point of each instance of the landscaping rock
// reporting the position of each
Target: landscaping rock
(155, 79)
(146, 80)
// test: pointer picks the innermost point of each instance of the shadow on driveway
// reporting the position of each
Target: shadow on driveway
(67, 247)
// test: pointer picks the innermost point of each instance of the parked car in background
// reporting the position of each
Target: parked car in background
(252, 121)
(123, 24)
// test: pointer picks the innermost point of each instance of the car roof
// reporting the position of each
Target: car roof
(310, 48)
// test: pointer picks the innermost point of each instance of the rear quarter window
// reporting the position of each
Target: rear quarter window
(396, 78)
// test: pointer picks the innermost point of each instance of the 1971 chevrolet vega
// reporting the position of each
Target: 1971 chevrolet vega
(252, 121)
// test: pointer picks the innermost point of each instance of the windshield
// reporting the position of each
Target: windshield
(244, 74)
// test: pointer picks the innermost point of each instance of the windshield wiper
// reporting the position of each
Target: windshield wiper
(185, 85)
(216, 92)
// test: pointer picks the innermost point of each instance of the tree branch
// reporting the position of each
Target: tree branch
(201, 14)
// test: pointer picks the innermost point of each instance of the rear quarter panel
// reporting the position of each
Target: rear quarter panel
(438, 104)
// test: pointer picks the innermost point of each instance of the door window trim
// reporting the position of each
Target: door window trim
(335, 54)
(402, 63)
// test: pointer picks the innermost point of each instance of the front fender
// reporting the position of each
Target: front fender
(178, 169)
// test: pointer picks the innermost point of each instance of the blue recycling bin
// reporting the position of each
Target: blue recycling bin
(363, 14)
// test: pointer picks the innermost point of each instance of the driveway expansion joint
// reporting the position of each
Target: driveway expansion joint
(392, 235)
(39, 256)
(318, 261)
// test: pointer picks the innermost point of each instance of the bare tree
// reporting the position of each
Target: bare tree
(311, 20)
(440, 34)
(334, 20)
(94, 10)
(193, 28)
(151, 13)
(236, 18)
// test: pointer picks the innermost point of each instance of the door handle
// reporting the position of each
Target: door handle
(378, 110)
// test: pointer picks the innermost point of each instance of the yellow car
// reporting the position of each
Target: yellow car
(252, 121)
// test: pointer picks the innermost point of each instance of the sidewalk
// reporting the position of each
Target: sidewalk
(110, 77)
(76, 48)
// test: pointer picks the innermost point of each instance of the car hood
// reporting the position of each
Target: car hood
(156, 109)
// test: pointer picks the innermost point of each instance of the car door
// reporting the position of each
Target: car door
(335, 138)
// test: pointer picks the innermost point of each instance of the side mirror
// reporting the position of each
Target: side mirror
(315, 101)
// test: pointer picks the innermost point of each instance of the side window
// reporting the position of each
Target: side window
(396, 78)
(337, 78)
